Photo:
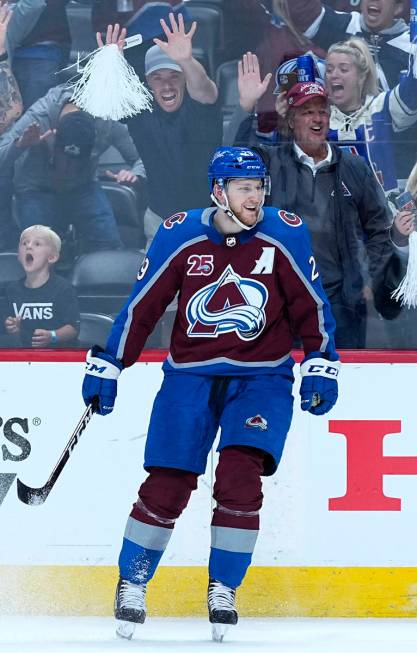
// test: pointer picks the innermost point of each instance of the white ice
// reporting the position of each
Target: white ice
(166, 635)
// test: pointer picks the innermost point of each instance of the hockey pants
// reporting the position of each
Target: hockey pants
(234, 526)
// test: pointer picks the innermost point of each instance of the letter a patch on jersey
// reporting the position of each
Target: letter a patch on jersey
(231, 304)
(265, 263)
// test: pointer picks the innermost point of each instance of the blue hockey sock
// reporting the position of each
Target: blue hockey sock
(143, 546)
(137, 564)
(228, 567)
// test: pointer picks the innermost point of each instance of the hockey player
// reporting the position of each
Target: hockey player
(247, 282)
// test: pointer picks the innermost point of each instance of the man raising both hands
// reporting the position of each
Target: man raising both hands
(177, 138)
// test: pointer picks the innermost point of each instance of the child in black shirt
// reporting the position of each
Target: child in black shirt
(42, 308)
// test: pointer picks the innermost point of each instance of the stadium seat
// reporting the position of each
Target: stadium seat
(208, 39)
(10, 268)
(82, 34)
(94, 329)
(226, 81)
(103, 280)
(123, 201)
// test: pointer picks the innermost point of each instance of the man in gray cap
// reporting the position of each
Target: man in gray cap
(176, 140)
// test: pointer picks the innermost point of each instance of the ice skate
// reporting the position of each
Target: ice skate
(222, 608)
(129, 607)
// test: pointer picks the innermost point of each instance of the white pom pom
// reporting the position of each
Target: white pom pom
(407, 290)
(109, 87)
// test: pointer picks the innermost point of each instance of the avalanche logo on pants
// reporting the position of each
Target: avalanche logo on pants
(232, 303)
(257, 422)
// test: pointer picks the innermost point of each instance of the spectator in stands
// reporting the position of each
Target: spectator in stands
(388, 36)
(378, 23)
(362, 120)
(42, 307)
(403, 333)
(279, 43)
(38, 42)
(176, 139)
(352, 5)
(56, 148)
(10, 110)
(343, 205)
(365, 119)
(10, 98)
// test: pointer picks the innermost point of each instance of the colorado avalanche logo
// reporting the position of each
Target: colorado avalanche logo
(232, 303)
(290, 218)
(257, 422)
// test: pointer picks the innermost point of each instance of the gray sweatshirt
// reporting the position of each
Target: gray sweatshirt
(25, 15)
(34, 164)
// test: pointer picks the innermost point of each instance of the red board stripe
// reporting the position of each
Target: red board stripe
(158, 355)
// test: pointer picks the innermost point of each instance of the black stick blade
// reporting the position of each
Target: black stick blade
(33, 496)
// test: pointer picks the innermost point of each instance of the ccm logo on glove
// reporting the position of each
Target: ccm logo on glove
(108, 371)
(319, 385)
(100, 381)
(320, 367)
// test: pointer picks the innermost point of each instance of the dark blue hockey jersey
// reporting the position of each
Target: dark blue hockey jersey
(241, 297)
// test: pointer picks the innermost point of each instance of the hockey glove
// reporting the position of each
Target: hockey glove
(319, 383)
(100, 381)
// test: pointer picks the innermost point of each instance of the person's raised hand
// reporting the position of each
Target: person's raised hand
(32, 136)
(178, 45)
(114, 35)
(251, 86)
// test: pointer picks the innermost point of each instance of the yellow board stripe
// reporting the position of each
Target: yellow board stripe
(181, 591)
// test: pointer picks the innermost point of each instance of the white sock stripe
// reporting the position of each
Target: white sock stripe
(236, 540)
(155, 538)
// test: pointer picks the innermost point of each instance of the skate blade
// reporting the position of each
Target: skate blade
(125, 629)
(218, 631)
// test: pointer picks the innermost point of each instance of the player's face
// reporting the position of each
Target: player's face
(343, 82)
(380, 14)
(246, 198)
(168, 87)
(35, 252)
(310, 124)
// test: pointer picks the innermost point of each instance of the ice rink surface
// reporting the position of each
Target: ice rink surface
(166, 635)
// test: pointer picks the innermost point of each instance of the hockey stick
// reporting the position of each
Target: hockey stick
(37, 496)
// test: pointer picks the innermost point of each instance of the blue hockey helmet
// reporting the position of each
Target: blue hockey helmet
(234, 162)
